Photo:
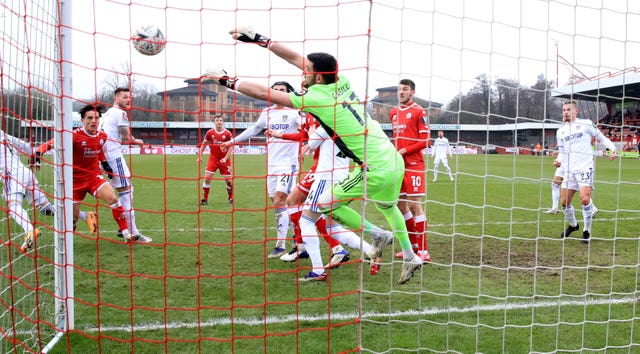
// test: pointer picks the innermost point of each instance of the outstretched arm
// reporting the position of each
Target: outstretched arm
(248, 88)
(252, 89)
(247, 34)
(21, 146)
(35, 159)
(292, 57)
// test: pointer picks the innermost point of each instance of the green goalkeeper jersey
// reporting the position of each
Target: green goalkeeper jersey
(337, 108)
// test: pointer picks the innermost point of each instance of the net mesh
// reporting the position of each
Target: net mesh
(501, 279)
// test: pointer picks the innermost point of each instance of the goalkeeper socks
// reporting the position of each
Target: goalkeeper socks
(352, 220)
(555, 195)
(421, 232)
(321, 225)
(119, 216)
(311, 242)
(396, 222)
(347, 217)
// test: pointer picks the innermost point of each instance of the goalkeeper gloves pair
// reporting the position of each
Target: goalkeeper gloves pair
(243, 34)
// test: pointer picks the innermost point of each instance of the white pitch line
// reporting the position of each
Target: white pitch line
(531, 222)
(431, 311)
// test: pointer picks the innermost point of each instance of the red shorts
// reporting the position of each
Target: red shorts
(306, 182)
(413, 183)
(87, 185)
(213, 165)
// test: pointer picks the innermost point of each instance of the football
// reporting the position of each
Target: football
(148, 40)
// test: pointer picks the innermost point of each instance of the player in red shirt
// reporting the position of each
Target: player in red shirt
(218, 159)
(411, 135)
(88, 153)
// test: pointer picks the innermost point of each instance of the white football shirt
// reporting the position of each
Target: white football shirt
(574, 144)
(110, 122)
(10, 150)
(332, 165)
(441, 147)
(284, 120)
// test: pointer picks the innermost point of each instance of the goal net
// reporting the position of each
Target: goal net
(37, 287)
(492, 76)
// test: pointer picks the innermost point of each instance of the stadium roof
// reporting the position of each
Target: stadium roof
(610, 89)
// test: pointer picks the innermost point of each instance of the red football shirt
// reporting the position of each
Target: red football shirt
(87, 153)
(214, 138)
(410, 131)
(303, 134)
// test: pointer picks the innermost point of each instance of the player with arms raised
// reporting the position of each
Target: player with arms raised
(411, 136)
(334, 104)
(218, 159)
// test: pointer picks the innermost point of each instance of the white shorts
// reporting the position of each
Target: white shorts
(121, 176)
(281, 179)
(579, 179)
(441, 159)
(562, 173)
(18, 181)
(319, 187)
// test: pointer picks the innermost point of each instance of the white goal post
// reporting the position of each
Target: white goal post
(37, 287)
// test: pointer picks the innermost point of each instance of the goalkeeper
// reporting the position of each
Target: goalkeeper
(330, 99)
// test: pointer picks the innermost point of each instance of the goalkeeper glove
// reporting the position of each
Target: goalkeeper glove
(247, 34)
(220, 76)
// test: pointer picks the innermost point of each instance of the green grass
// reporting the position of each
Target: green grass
(502, 280)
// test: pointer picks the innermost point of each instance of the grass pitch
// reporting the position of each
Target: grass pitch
(502, 280)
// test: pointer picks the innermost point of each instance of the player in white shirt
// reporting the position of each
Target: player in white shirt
(332, 168)
(115, 122)
(576, 155)
(283, 160)
(20, 183)
(441, 151)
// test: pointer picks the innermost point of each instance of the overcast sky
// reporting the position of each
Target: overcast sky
(441, 44)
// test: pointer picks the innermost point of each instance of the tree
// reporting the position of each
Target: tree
(505, 105)
(145, 104)
(472, 107)
(501, 102)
